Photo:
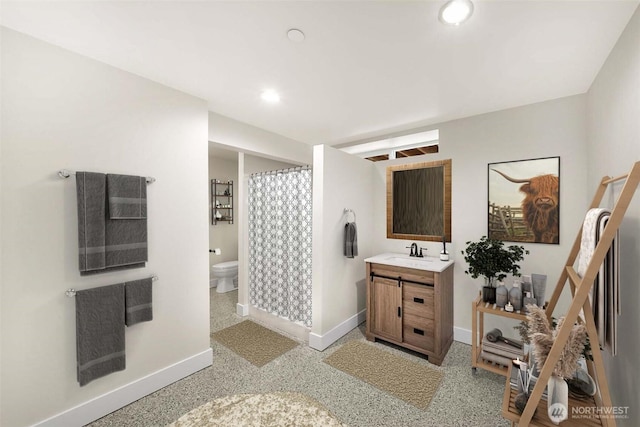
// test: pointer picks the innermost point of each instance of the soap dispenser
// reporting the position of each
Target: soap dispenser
(444, 255)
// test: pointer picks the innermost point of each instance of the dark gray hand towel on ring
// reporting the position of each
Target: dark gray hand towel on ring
(350, 240)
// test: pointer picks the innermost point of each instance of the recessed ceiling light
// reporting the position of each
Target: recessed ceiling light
(270, 96)
(455, 12)
(295, 35)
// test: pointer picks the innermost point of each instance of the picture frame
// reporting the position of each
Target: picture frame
(524, 200)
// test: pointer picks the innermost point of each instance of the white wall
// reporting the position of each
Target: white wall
(340, 181)
(1, 223)
(614, 145)
(224, 235)
(553, 128)
(62, 110)
(252, 140)
(255, 164)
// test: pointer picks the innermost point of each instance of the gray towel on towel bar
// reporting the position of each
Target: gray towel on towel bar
(126, 243)
(106, 244)
(100, 332)
(138, 297)
(350, 240)
(127, 195)
(91, 196)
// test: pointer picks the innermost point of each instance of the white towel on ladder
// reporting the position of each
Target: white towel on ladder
(604, 295)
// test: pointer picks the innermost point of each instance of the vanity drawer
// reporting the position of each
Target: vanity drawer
(391, 271)
(417, 300)
(418, 331)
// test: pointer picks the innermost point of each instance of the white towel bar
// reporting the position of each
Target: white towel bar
(72, 292)
(64, 173)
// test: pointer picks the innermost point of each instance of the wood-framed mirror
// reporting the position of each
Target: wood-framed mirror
(419, 201)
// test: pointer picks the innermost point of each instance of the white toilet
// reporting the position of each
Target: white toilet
(226, 273)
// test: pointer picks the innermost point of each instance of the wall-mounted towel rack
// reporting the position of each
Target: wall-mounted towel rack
(348, 211)
(64, 173)
(72, 292)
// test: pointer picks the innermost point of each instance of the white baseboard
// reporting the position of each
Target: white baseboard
(242, 309)
(462, 335)
(279, 324)
(213, 283)
(320, 342)
(100, 406)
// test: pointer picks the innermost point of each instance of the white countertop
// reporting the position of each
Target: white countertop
(427, 263)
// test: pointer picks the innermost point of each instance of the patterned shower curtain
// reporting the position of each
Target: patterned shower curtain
(280, 243)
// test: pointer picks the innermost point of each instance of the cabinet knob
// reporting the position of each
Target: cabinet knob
(418, 300)
(418, 331)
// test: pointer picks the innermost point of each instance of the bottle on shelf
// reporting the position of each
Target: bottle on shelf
(502, 295)
(528, 300)
(515, 296)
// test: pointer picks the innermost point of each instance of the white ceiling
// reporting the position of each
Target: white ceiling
(365, 69)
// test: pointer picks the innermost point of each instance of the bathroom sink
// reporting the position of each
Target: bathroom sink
(427, 263)
(408, 259)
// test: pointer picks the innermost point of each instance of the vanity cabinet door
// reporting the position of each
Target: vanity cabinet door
(386, 301)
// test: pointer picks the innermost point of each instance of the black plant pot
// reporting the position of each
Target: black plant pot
(489, 294)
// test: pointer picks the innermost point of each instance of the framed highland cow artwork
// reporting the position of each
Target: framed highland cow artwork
(524, 200)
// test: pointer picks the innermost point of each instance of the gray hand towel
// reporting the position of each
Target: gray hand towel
(138, 297)
(126, 242)
(100, 332)
(91, 196)
(127, 196)
(350, 240)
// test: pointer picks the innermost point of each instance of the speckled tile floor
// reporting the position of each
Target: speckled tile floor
(463, 399)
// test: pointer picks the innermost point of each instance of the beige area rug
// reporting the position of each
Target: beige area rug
(410, 381)
(248, 410)
(255, 343)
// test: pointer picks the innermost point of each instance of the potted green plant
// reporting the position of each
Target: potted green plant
(492, 260)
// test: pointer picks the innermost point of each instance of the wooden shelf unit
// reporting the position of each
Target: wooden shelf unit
(479, 308)
(580, 288)
(218, 190)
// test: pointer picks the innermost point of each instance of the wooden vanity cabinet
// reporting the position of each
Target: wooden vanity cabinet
(412, 308)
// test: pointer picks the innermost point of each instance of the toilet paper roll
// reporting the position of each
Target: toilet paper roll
(217, 251)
